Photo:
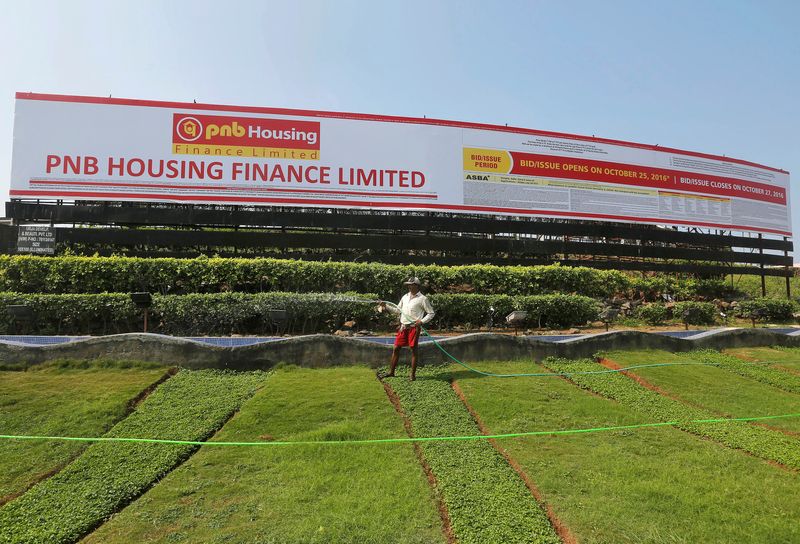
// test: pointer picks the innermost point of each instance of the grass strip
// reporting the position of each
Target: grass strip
(710, 387)
(107, 476)
(293, 495)
(411, 440)
(779, 357)
(764, 443)
(767, 373)
(73, 401)
(659, 485)
(486, 500)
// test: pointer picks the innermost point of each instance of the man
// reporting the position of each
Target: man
(415, 310)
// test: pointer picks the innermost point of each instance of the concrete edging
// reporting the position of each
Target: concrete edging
(323, 350)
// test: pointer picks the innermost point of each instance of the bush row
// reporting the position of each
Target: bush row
(759, 441)
(108, 475)
(706, 313)
(689, 312)
(485, 498)
(766, 309)
(243, 313)
(71, 274)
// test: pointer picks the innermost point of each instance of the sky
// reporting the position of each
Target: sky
(720, 77)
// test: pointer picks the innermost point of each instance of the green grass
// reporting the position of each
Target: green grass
(487, 501)
(764, 443)
(776, 287)
(59, 400)
(715, 388)
(781, 357)
(632, 486)
(776, 375)
(108, 475)
(294, 494)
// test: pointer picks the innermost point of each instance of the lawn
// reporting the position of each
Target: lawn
(658, 485)
(681, 483)
(107, 476)
(776, 286)
(714, 388)
(487, 501)
(783, 357)
(294, 494)
(60, 400)
(764, 443)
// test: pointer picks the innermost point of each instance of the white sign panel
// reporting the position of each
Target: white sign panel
(115, 149)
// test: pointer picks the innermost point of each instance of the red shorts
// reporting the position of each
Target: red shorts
(407, 337)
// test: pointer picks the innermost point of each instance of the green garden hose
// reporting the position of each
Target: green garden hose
(391, 440)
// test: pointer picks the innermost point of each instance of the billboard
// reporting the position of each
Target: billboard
(87, 148)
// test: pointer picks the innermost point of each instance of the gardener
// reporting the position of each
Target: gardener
(414, 310)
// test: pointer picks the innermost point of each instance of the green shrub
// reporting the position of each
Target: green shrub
(190, 315)
(695, 313)
(72, 314)
(70, 274)
(559, 311)
(73, 274)
(652, 287)
(766, 309)
(249, 313)
(653, 314)
(552, 311)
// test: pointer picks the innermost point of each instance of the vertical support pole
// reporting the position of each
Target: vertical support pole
(761, 265)
(146, 311)
(788, 281)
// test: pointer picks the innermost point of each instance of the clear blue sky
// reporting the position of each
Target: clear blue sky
(715, 76)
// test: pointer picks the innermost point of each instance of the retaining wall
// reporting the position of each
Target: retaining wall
(322, 350)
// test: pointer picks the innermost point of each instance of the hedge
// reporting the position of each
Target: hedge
(689, 312)
(71, 274)
(551, 311)
(244, 313)
(651, 288)
(695, 313)
(653, 314)
(766, 309)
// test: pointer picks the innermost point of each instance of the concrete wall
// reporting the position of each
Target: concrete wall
(321, 350)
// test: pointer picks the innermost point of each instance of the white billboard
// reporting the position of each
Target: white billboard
(86, 148)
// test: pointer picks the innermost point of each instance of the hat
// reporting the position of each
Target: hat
(412, 281)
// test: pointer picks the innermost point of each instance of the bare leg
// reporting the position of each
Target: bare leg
(395, 358)
(413, 363)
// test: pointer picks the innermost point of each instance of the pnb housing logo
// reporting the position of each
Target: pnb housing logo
(227, 136)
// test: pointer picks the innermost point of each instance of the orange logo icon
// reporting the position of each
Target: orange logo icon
(189, 129)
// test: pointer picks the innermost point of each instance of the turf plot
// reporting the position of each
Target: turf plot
(294, 494)
(714, 388)
(108, 475)
(656, 485)
(66, 399)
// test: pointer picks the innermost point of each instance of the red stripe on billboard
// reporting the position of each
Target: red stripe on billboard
(549, 166)
(408, 205)
(227, 188)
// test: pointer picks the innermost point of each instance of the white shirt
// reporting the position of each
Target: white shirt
(413, 308)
